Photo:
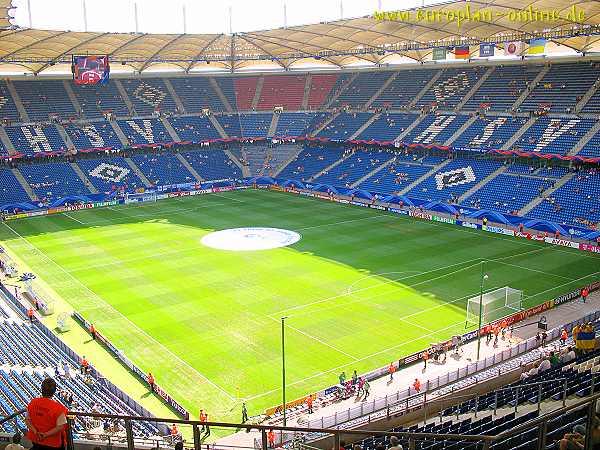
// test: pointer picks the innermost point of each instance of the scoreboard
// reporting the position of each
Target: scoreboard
(90, 69)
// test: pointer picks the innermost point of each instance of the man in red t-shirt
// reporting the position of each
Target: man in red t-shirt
(584, 294)
(46, 419)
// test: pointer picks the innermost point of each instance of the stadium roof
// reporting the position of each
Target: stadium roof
(367, 40)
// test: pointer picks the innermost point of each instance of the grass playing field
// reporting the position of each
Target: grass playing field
(360, 289)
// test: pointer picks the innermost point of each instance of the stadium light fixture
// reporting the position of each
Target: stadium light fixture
(484, 277)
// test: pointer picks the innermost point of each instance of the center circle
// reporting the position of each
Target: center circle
(249, 239)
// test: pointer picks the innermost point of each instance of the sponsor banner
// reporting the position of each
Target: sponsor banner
(379, 207)
(562, 242)
(292, 190)
(116, 352)
(276, 187)
(293, 403)
(341, 200)
(398, 211)
(420, 215)
(531, 237)
(468, 225)
(307, 194)
(443, 219)
(589, 248)
(498, 230)
(364, 205)
(179, 194)
(231, 188)
(323, 197)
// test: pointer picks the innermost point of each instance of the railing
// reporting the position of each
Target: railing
(540, 424)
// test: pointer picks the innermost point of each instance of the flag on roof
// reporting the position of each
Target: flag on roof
(462, 52)
(513, 48)
(537, 46)
(487, 50)
(439, 53)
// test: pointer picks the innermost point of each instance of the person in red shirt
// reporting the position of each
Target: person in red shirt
(85, 365)
(417, 385)
(391, 370)
(30, 314)
(174, 430)
(46, 419)
(584, 294)
(203, 420)
(309, 404)
(271, 438)
(93, 331)
(151, 381)
(563, 337)
(425, 359)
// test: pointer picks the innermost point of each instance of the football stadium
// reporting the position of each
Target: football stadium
(358, 225)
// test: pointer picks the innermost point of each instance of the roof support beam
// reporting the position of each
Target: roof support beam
(201, 52)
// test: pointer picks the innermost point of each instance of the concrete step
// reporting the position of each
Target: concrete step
(138, 172)
(184, 162)
(69, 88)
(117, 129)
(178, 102)
(17, 99)
(482, 183)
(288, 161)
(461, 130)
(339, 92)
(83, 177)
(306, 94)
(515, 137)
(245, 170)
(220, 94)
(218, 126)
(422, 178)
(586, 98)
(8, 145)
(330, 166)
(381, 89)
(257, 92)
(273, 126)
(585, 139)
(24, 184)
(372, 173)
(430, 83)
(327, 121)
(411, 127)
(530, 88)
(172, 132)
(124, 96)
(364, 126)
(474, 89)
(65, 137)
(536, 201)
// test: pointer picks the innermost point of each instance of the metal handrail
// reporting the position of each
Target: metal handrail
(12, 416)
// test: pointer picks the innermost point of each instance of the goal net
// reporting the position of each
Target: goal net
(494, 305)
(145, 197)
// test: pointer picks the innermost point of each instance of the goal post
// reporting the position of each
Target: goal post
(141, 197)
(494, 305)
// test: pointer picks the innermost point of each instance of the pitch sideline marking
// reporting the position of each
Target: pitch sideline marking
(320, 341)
(73, 218)
(379, 216)
(231, 397)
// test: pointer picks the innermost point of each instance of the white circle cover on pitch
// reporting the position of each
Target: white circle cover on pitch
(249, 239)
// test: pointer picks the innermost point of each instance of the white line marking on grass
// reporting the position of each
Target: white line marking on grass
(344, 221)
(231, 397)
(228, 198)
(320, 341)
(536, 270)
(73, 218)
(410, 341)
(561, 285)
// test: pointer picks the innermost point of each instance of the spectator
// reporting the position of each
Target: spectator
(545, 365)
(395, 443)
(271, 438)
(46, 419)
(15, 443)
(568, 356)
(576, 440)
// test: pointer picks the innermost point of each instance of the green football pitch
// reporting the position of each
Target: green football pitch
(360, 289)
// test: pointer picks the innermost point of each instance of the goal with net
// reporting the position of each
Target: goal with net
(142, 197)
(494, 305)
